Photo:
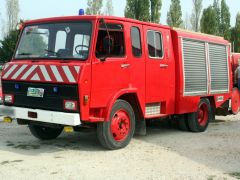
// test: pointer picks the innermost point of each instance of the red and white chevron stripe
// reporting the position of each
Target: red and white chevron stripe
(41, 73)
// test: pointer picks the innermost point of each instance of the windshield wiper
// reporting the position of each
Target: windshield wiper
(28, 33)
(51, 51)
(25, 54)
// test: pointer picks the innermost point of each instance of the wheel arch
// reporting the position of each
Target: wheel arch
(129, 95)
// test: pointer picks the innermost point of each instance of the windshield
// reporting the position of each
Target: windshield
(55, 41)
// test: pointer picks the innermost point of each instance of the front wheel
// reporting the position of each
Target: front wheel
(118, 131)
(198, 121)
(45, 133)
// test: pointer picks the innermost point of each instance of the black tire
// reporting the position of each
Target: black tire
(44, 133)
(104, 132)
(182, 122)
(193, 122)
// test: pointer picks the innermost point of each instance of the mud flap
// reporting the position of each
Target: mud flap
(141, 129)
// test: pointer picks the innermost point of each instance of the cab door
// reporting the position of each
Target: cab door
(110, 71)
(160, 75)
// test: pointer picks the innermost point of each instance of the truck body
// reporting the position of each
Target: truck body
(114, 73)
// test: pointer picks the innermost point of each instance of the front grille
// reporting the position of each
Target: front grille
(50, 101)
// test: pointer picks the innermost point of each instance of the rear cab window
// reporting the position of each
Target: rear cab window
(136, 42)
(155, 44)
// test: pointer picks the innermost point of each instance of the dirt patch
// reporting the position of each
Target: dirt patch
(9, 162)
(165, 153)
(21, 145)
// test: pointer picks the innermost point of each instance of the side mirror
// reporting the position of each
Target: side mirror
(103, 59)
(20, 26)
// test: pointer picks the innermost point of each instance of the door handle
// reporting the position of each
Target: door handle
(163, 65)
(125, 65)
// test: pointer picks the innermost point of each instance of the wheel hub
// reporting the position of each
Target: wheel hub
(120, 125)
(203, 114)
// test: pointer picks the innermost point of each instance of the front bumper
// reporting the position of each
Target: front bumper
(70, 119)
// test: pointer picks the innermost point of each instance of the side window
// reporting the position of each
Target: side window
(110, 43)
(61, 39)
(136, 42)
(155, 45)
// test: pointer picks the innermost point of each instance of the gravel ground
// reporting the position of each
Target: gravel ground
(165, 153)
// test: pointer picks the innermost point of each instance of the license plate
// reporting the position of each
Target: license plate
(35, 92)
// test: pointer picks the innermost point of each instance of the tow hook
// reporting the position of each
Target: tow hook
(7, 120)
(68, 129)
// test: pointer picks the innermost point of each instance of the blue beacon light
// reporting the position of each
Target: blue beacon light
(17, 86)
(81, 12)
(55, 89)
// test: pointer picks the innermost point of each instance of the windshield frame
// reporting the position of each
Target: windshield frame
(54, 58)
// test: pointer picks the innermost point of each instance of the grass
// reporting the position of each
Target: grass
(235, 175)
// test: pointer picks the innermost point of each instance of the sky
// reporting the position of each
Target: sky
(30, 9)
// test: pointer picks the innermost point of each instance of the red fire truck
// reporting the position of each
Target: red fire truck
(113, 74)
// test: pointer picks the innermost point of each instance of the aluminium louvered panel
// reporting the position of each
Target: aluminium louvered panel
(195, 68)
(218, 68)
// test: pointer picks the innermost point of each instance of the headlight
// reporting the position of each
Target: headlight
(9, 98)
(70, 105)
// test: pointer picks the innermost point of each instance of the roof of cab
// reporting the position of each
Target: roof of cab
(180, 32)
(90, 17)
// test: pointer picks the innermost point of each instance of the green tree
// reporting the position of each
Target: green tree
(217, 9)
(156, 6)
(138, 9)
(225, 24)
(196, 14)
(174, 16)
(7, 46)
(236, 34)
(94, 7)
(109, 8)
(12, 12)
(209, 21)
(233, 38)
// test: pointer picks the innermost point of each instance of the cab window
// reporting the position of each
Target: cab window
(110, 42)
(155, 45)
(61, 39)
(136, 42)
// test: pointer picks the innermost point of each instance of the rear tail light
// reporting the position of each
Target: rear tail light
(70, 105)
(9, 98)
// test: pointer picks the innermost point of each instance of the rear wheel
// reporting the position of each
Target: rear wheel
(198, 121)
(118, 131)
(44, 133)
